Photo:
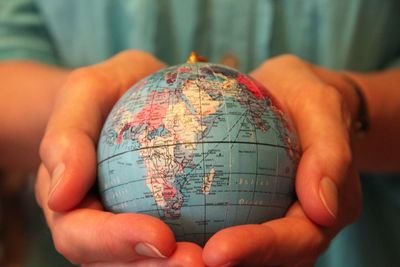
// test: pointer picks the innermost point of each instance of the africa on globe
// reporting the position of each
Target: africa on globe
(202, 147)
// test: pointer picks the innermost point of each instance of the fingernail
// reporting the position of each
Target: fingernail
(329, 195)
(56, 177)
(148, 250)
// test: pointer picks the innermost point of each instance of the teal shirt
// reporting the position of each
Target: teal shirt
(362, 35)
(358, 34)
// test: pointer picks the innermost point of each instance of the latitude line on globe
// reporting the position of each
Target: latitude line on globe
(234, 190)
(191, 143)
(198, 205)
(236, 173)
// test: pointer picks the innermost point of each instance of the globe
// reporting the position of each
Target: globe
(200, 146)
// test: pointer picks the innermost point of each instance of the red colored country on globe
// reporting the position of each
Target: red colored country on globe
(257, 90)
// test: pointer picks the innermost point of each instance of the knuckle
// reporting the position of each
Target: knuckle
(83, 73)
(290, 59)
(52, 144)
(138, 54)
(63, 248)
(46, 145)
(335, 100)
(38, 185)
(317, 98)
(85, 78)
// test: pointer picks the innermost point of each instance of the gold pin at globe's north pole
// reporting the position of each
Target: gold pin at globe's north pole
(195, 57)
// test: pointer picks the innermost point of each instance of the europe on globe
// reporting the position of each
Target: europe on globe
(200, 146)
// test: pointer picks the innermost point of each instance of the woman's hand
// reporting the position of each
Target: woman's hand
(321, 104)
(81, 230)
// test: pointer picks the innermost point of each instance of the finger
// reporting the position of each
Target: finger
(68, 147)
(321, 122)
(283, 242)
(186, 254)
(87, 235)
(326, 156)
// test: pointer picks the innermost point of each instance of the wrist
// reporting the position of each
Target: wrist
(361, 119)
(352, 95)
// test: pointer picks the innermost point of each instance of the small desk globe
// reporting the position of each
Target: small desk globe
(200, 146)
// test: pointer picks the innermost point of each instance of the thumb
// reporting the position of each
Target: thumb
(68, 149)
(326, 157)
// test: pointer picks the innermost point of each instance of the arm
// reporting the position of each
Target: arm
(378, 150)
(26, 98)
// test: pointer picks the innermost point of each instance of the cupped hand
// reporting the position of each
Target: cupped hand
(81, 230)
(321, 104)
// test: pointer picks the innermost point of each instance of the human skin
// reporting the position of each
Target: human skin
(26, 99)
(321, 103)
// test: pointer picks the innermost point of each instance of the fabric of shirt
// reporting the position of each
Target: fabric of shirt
(360, 35)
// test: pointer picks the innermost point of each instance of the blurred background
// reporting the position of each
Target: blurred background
(24, 237)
